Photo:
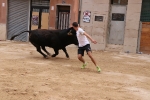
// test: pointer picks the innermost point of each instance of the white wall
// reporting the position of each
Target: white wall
(2, 31)
(132, 25)
(98, 30)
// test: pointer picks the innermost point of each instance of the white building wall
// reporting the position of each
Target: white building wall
(98, 30)
(132, 25)
(2, 31)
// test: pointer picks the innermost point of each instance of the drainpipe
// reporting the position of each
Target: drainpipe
(79, 11)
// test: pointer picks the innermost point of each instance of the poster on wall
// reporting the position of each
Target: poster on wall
(35, 20)
(63, 1)
(87, 16)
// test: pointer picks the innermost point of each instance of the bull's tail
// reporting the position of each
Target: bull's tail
(18, 35)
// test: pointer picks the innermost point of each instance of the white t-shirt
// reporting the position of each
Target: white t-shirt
(82, 39)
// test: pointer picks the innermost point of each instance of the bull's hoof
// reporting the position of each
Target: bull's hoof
(49, 54)
(46, 57)
(67, 56)
(53, 55)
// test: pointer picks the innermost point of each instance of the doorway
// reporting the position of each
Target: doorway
(40, 18)
(63, 17)
(117, 22)
(144, 36)
(39, 14)
(117, 25)
(18, 19)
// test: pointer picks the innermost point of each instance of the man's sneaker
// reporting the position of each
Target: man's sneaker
(98, 69)
(84, 65)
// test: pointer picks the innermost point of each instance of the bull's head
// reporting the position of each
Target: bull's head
(72, 36)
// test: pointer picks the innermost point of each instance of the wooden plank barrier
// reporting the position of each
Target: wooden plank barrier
(145, 38)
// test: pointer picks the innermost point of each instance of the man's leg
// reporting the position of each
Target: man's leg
(90, 55)
(89, 52)
(81, 58)
(93, 60)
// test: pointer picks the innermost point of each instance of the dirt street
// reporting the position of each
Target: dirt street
(26, 75)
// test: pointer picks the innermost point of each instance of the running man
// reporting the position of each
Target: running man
(84, 44)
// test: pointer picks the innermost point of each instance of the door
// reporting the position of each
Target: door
(145, 31)
(35, 19)
(45, 19)
(63, 17)
(145, 38)
(117, 24)
(40, 18)
(18, 19)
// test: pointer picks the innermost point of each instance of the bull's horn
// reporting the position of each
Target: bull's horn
(70, 33)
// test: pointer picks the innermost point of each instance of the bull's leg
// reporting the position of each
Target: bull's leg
(64, 49)
(39, 49)
(56, 52)
(43, 48)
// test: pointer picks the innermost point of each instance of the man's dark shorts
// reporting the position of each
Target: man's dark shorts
(82, 49)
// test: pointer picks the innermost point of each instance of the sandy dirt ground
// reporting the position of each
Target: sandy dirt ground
(26, 75)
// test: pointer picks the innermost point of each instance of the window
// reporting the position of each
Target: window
(119, 2)
(145, 12)
(117, 17)
(40, 2)
(98, 18)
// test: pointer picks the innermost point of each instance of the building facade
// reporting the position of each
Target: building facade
(63, 13)
(117, 25)
(3, 19)
(21, 15)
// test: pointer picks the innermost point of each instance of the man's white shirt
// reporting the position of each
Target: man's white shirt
(82, 39)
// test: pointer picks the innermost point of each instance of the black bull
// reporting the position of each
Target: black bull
(56, 39)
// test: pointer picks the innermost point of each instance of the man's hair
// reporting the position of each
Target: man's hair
(75, 24)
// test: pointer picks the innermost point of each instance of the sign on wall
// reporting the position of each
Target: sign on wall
(35, 20)
(3, 4)
(63, 1)
(52, 8)
(86, 16)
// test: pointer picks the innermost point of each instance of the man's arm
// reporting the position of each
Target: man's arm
(89, 37)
